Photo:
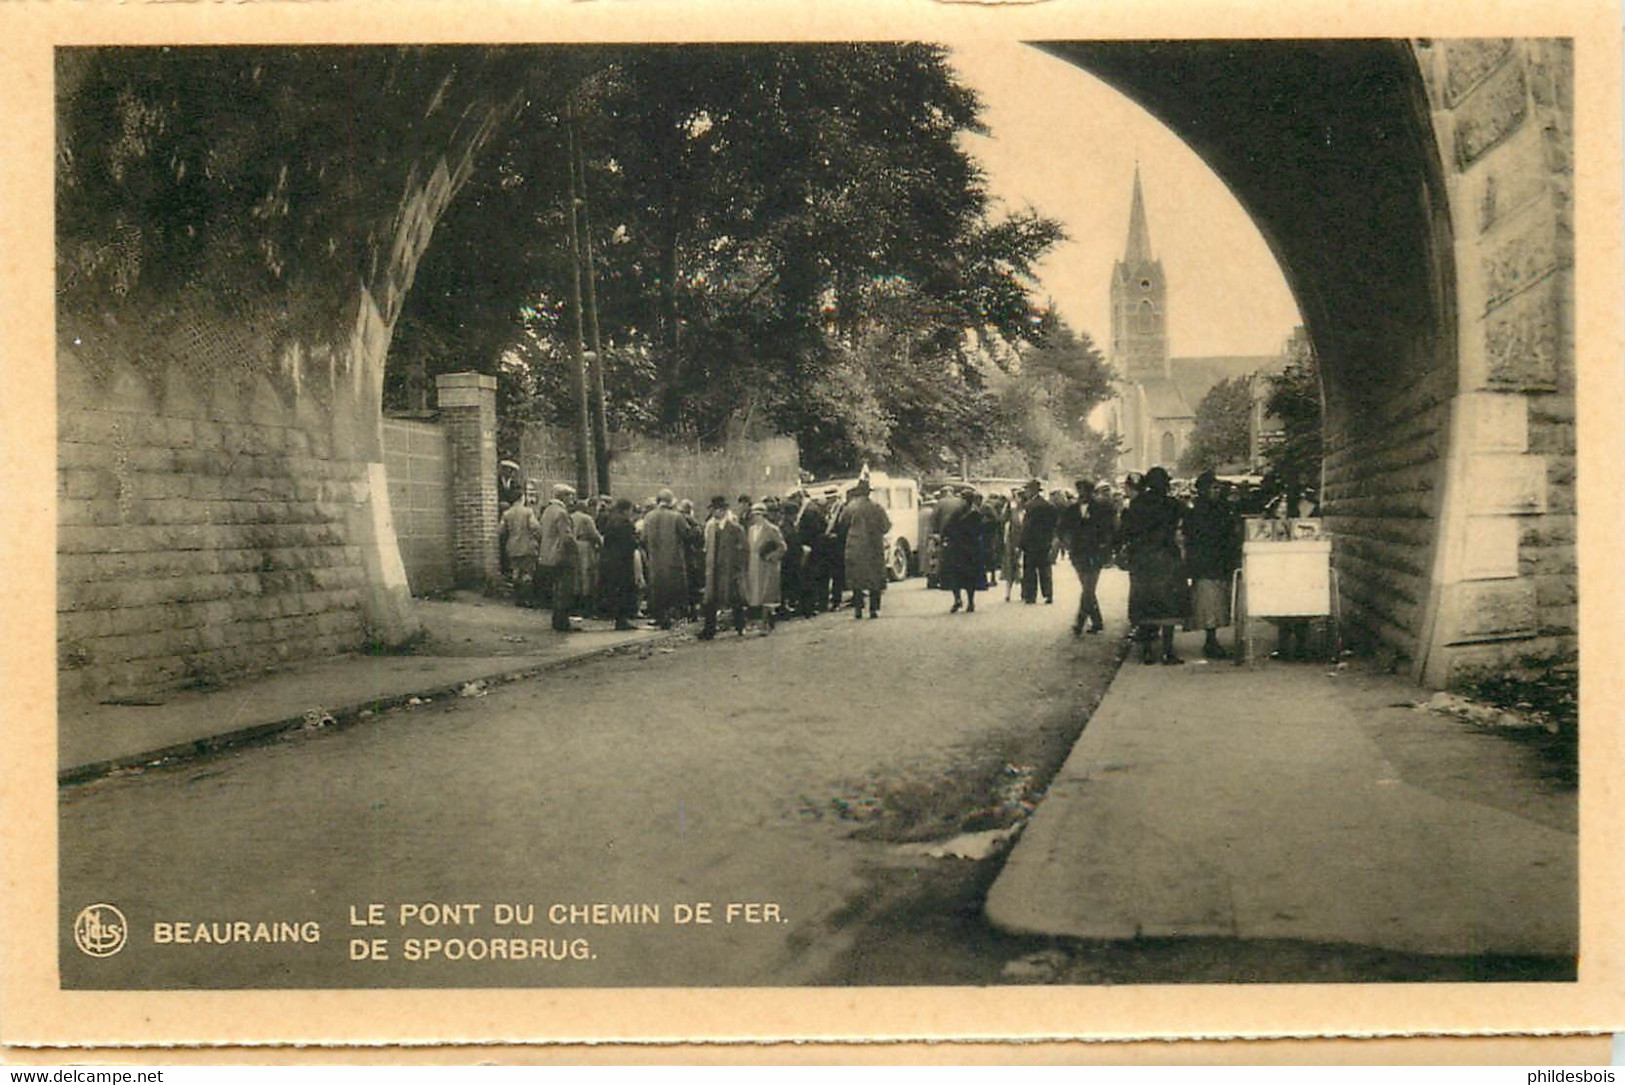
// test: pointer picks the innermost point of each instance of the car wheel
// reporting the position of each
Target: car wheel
(898, 569)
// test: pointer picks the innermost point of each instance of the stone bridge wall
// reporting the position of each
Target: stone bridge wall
(1451, 494)
(1506, 569)
(201, 534)
(222, 496)
(1383, 479)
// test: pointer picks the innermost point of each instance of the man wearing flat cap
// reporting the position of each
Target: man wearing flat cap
(555, 561)
(665, 539)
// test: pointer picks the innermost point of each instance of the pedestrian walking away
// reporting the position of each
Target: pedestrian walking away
(665, 540)
(811, 531)
(557, 555)
(519, 539)
(961, 564)
(617, 565)
(865, 524)
(949, 504)
(588, 544)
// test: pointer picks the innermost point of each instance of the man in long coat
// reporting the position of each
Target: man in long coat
(617, 564)
(949, 503)
(812, 533)
(725, 561)
(866, 524)
(665, 538)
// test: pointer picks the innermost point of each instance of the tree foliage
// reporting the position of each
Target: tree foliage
(1220, 437)
(1044, 404)
(787, 237)
(1295, 398)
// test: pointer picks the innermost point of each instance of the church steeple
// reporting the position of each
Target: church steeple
(1138, 251)
(1139, 348)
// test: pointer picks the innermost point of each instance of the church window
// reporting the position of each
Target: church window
(1145, 284)
(1168, 452)
(1146, 319)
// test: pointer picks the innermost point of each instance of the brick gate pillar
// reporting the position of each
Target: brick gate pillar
(468, 412)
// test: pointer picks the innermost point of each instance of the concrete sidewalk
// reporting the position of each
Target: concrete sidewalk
(1293, 801)
(469, 638)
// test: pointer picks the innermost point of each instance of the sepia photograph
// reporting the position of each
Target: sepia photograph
(1037, 516)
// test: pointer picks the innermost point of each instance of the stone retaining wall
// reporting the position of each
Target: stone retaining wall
(198, 536)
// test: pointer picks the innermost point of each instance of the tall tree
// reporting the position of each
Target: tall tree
(1221, 435)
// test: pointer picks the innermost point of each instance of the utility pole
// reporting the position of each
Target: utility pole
(586, 476)
(595, 358)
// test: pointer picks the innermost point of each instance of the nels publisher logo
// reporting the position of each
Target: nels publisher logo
(100, 930)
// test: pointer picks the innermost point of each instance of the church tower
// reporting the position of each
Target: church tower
(1150, 418)
(1139, 349)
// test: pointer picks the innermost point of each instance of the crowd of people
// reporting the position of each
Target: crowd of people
(1180, 551)
(755, 562)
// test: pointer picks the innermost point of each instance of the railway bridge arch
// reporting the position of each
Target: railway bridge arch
(221, 500)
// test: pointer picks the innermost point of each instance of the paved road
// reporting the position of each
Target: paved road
(781, 775)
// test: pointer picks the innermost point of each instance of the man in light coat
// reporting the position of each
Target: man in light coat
(519, 537)
(588, 543)
(556, 554)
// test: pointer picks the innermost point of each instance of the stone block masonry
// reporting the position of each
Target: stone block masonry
(197, 548)
(1506, 573)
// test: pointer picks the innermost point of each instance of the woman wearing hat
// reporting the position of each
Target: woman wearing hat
(762, 572)
(961, 564)
(1157, 591)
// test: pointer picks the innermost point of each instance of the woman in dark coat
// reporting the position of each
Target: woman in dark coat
(616, 569)
(1212, 553)
(1149, 531)
(960, 569)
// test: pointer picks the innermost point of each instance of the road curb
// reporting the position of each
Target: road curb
(343, 716)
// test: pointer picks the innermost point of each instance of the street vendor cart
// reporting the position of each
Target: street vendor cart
(1286, 575)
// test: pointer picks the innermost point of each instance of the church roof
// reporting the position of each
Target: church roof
(1163, 399)
(1138, 250)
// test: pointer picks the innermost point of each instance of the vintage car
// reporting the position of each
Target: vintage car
(900, 497)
